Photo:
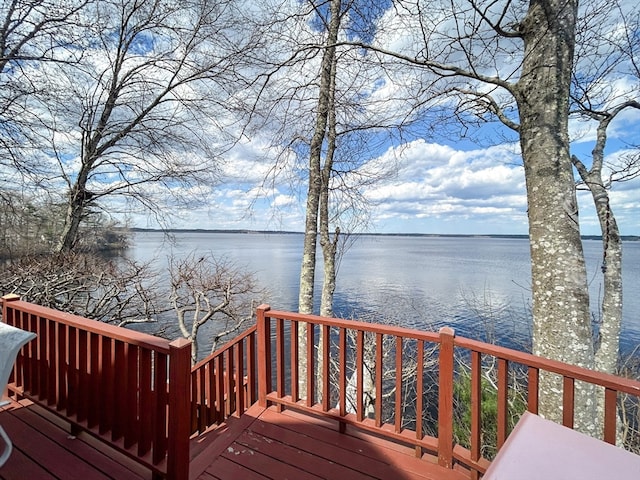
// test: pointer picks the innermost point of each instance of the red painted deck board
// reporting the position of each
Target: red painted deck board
(262, 444)
(270, 445)
(43, 450)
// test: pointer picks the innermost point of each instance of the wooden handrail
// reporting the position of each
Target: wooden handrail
(132, 337)
(349, 358)
(225, 383)
(140, 394)
(126, 388)
(607, 380)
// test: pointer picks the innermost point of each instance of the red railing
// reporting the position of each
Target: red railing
(140, 394)
(128, 389)
(214, 381)
(405, 406)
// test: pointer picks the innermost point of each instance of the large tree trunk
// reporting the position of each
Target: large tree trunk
(562, 327)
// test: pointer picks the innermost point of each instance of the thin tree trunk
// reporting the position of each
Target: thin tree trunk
(307, 271)
(328, 244)
(608, 341)
(562, 328)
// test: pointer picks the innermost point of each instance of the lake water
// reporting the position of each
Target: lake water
(479, 286)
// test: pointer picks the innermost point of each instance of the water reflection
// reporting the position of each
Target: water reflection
(479, 286)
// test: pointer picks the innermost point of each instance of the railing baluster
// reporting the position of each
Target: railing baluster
(209, 393)
(503, 401)
(95, 395)
(239, 378)
(326, 377)
(161, 402)
(229, 370)
(311, 365)
(251, 369)
(419, 394)
(73, 379)
(398, 400)
(107, 386)
(220, 387)
(533, 378)
(359, 374)
(41, 378)
(294, 356)
(280, 376)
(146, 411)
(342, 387)
(476, 409)
(29, 322)
(568, 401)
(199, 395)
(379, 365)
(61, 367)
(83, 386)
(51, 362)
(132, 427)
(120, 405)
(610, 415)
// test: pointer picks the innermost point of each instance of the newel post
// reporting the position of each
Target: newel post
(11, 297)
(179, 409)
(445, 398)
(264, 357)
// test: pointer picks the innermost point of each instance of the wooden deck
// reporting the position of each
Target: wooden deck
(265, 444)
(262, 444)
(43, 449)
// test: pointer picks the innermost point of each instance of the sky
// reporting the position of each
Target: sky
(440, 185)
(455, 187)
(438, 189)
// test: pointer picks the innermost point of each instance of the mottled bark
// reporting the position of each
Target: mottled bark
(307, 270)
(607, 344)
(73, 218)
(562, 328)
(329, 245)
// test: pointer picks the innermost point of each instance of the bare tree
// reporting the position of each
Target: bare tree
(32, 33)
(114, 291)
(514, 62)
(139, 120)
(212, 292)
(596, 100)
(315, 181)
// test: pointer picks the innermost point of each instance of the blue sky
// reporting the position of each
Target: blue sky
(441, 185)
(438, 189)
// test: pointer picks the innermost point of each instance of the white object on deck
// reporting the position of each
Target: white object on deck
(12, 339)
(539, 449)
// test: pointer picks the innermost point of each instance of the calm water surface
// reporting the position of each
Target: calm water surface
(479, 286)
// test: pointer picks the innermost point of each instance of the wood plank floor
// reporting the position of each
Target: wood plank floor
(262, 444)
(43, 450)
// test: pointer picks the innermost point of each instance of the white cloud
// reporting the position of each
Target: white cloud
(435, 188)
(436, 181)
